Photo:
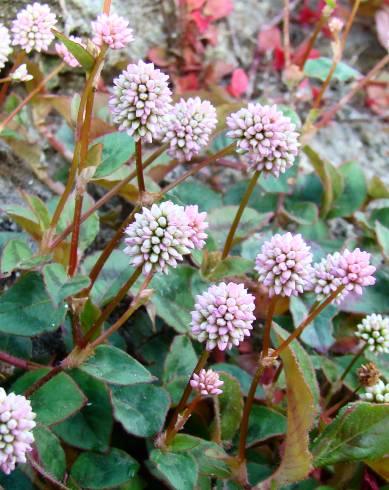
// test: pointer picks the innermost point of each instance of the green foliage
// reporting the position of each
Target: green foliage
(320, 67)
(59, 285)
(50, 452)
(231, 406)
(85, 59)
(118, 148)
(177, 470)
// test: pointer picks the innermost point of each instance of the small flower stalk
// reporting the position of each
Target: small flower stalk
(207, 383)
(223, 316)
(16, 424)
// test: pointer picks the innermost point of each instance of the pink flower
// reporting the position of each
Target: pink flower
(198, 225)
(223, 315)
(16, 424)
(267, 136)
(159, 237)
(207, 383)
(323, 280)
(141, 98)
(353, 269)
(284, 265)
(188, 127)
(111, 30)
(32, 28)
(5, 46)
(66, 55)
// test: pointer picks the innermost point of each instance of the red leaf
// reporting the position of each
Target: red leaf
(201, 22)
(382, 24)
(278, 59)
(369, 481)
(239, 83)
(218, 9)
(187, 83)
(269, 38)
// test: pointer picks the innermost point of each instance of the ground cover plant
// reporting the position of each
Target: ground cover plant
(203, 303)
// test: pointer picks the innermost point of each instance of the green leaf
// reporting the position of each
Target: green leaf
(50, 452)
(383, 239)
(242, 376)
(85, 59)
(17, 346)
(99, 471)
(220, 221)
(264, 423)
(259, 200)
(25, 218)
(17, 480)
(273, 184)
(57, 399)
(14, 253)
(331, 179)
(231, 266)
(26, 308)
(114, 275)
(193, 192)
(59, 285)
(320, 67)
(115, 366)
(179, 471)
(172, 298)
(377, 188)
(91, 427)
(302, 213)
(358, 432)
(319, 334)
(179, 364)
(141, 409)
(296, 461)
(118, 148)
(354, 192)
(231, 407)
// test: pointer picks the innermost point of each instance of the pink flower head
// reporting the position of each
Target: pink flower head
(32, 28)
(188, 127)
(159, 237)
(66, 55)
(323, 280)
(111, 30)
(223, 315)
(266, 135)
(284, 265)
(353, 269)
(141, 98)
(5, 46)
(198, 225)
(207, 383)
(16, 424)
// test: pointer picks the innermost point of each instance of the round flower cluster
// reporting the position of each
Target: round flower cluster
(378, 393)
(5, 46)
(32, 27)
(111, 30)
(284, 265)
(223, 315)
(188, 127)
(16, 424)
(267, 136)
(21, 74)
(374, 329)
(160, 236)
(349, 269)
(66, 55)
(141, 98)
(207, 383)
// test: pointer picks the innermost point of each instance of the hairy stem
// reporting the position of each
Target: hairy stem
(286, 33)
(73, 257)
(230, 237)
(41, 381)
(217, 437)
(185, 396)
(19, 363)
(268, 324)
(139, 168)
(246, 412)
